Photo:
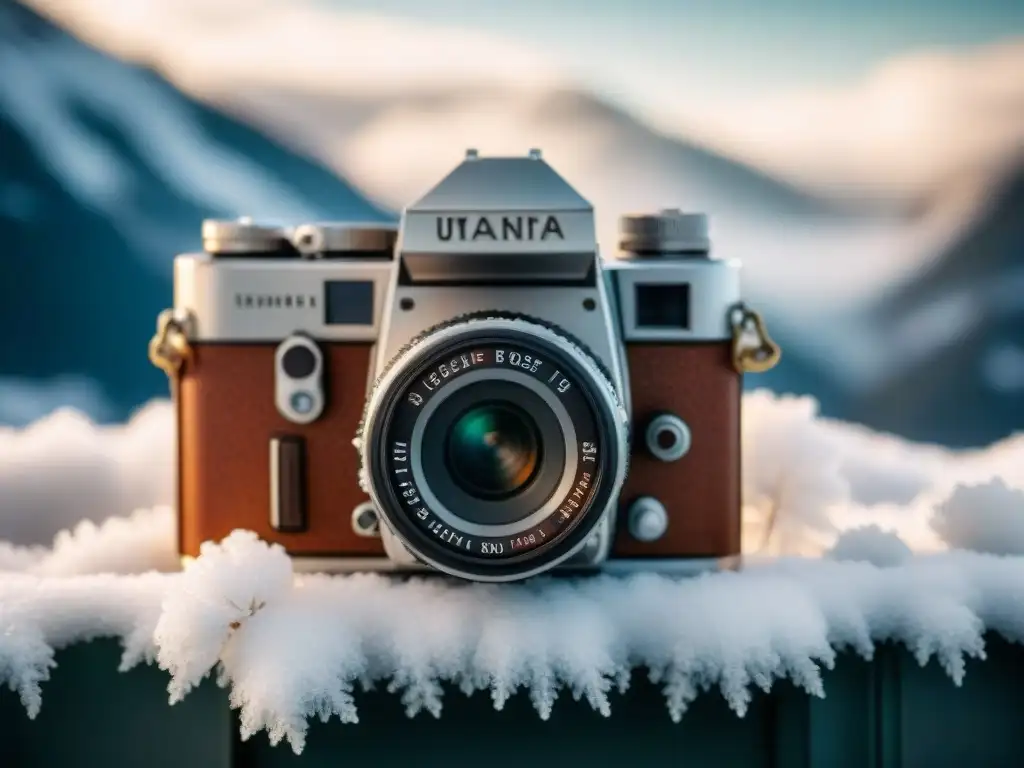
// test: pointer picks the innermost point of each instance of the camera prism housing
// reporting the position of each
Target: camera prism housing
(474, 391)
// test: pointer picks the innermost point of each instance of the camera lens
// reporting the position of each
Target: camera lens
(493, 450)
(493, 446)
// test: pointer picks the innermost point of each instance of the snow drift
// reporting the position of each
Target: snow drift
(806, 481)
(290, 648)
(63, 469)
(293, 646)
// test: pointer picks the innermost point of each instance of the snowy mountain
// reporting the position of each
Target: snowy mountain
(106, 173)
(323, 129)
(963, 319)
(112, 168)
(905, 134)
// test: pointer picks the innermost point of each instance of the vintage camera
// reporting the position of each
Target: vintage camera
(474, 391)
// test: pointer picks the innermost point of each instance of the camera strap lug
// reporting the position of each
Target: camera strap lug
(753, 350)
(169, 348)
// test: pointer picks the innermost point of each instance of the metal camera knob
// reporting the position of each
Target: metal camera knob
(668, 233)
(648, 519)
(241, 236)
(667, 437)
(309, 239)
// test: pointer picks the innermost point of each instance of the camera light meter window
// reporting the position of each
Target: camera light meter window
(348, 302)
(663, 305)
(494, 447)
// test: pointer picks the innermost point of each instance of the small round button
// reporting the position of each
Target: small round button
(302, 403)
(648, 519)
(667, 437)
(299, 362)
(365, 521)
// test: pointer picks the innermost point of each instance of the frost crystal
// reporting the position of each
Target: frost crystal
(291, 648)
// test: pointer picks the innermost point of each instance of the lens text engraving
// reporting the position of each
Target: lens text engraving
(448, 536)
(400, 455)
(447, 369)
(518, 360)
(563, 383)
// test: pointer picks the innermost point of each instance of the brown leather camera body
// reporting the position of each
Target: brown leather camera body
(226, 422)
(701, 490)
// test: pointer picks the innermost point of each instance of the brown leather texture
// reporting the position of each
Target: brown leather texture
(226, 418)
(701, 491)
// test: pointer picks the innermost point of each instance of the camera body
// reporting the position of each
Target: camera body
(303, 360)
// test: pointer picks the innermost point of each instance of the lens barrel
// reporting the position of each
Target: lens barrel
(493, 446)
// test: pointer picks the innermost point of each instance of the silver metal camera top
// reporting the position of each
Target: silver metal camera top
(313, 240)
(668, 232)
(493, 224)
(241, 236)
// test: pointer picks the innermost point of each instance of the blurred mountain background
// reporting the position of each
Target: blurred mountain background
(879, 216)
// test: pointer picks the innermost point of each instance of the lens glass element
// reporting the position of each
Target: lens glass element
(493, 450)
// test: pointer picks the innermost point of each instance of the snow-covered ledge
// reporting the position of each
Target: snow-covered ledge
(293, 647)
(852, 540)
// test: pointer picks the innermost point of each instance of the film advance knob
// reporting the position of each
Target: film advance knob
(648, 519)
(667, 233)
(241, 236)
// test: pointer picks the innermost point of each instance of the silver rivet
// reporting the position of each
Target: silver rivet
(365, 521)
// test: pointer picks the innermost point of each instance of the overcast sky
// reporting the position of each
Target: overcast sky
(721, 49)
